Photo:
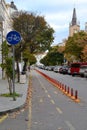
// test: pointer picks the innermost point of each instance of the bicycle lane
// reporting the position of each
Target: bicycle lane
(45, 115)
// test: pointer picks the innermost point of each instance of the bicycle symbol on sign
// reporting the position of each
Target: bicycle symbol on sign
(13, 38)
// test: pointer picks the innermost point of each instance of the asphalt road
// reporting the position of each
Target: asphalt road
(49, 108)
(77, 83)
(55, 111)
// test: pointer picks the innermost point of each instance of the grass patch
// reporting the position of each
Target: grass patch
(10, 95)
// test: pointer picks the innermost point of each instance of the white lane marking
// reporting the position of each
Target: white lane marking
(71, 127)
(41, 100)
(55, 92)
(30, 109)
(59, 110)
(52, 101)
(60, 128)
(29, 115)
(42, 85)
(46, 91)
(49, 96)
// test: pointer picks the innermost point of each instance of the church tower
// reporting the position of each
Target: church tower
(74, 27)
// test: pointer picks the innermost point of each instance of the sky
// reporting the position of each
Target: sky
(57, 13)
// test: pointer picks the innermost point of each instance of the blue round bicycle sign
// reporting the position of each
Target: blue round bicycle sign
(13, 37)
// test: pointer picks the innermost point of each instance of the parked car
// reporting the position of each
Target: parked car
(69, 71)
(56, 69)
(50, 68)
(85, 73)
(82, 71)
(64, 69)
(46, 67)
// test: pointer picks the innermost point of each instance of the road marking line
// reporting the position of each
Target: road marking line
(3, 118)
(60, 128)
(52, 101)
(41, 100)
(49, 96)
(70, 125)
(46, 91)
(30, 108)
(42, 85)
(55, 92)
(30, 115)
(59, 110)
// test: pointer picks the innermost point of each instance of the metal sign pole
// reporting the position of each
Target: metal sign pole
(13, 38)
(13, 48)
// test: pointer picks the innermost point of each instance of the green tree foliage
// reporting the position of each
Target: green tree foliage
(37, 35)
(84, 56)
(28, 58)
(53, 58)
(35, 32)
(75, 45)
(7, 64)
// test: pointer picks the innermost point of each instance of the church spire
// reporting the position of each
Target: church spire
(74, 27)
(74, 19)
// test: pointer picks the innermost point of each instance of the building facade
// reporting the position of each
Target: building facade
(74, 27)
(6, 11)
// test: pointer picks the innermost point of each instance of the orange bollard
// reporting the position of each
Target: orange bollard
(62, 87)
(71, 91)
(68, 90)
(76, 94)
(65, 88)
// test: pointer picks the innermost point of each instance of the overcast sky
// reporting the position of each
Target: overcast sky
(57, 13)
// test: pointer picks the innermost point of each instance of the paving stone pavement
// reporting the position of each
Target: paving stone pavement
(8, 104)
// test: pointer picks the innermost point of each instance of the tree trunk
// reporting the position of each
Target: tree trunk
(10, 85)
(18, 71)
(25, 66)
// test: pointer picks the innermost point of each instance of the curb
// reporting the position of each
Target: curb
(13, 110)
(19, 106)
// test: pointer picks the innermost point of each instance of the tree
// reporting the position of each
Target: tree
(84, 56)
(28, 59)
(53, 58)
(35, 32)
(75, 45)
(37, 35)
(9, 72)
(7, 64)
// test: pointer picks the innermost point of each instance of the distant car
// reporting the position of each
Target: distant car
(85, 73)
(50, 68)
(82, 71)
(46, 67)
(64, 69)
(56, 69)
(68, 72)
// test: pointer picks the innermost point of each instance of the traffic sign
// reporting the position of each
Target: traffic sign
(13, 37)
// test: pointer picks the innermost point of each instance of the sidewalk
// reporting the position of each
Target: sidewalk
(7, 104)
